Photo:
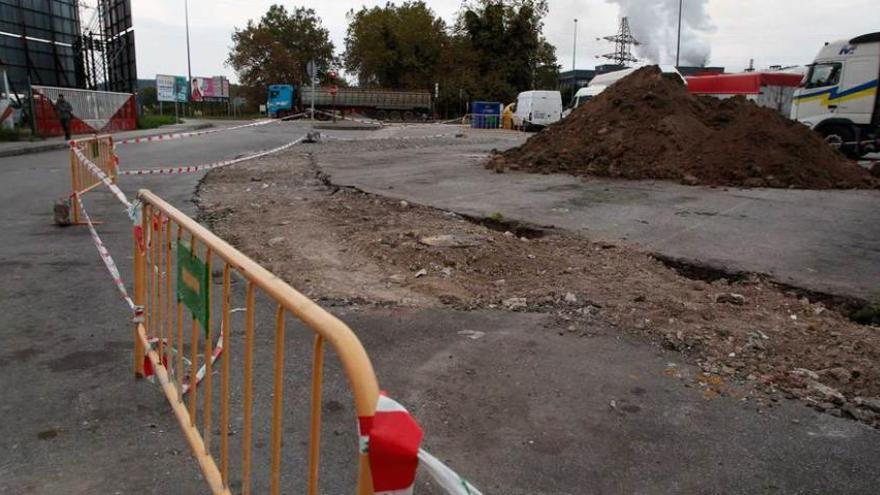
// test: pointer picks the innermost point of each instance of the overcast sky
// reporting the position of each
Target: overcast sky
(785, 32)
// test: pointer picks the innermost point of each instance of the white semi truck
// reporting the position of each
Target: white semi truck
(838, 96)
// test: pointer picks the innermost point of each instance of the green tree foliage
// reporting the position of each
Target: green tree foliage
(512, 53)
(395, 46)
(149, 98)
(494, 50)
(277, 48)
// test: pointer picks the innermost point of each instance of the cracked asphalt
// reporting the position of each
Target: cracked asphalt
(520, 410)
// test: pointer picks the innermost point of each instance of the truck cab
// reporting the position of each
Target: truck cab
(280, 102)
(838, 96)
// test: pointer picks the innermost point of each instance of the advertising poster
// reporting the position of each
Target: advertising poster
(197, 90)
(217, 86)
(210, 88)
(165, 88)
(181, 89)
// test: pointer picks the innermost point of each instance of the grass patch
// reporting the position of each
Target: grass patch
(154, 121)
(246, 116)
(868, 315)
(10, 135)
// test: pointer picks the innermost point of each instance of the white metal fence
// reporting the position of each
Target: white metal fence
(95, 108)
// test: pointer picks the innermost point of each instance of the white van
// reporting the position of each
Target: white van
(537, 109)
(599, 83)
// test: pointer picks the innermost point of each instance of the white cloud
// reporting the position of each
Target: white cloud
(770, 31)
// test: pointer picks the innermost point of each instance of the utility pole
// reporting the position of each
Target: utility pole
(574, 48)
(189, 75)
(623, 45)
(678, 47)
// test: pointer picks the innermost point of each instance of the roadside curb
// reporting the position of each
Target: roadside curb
(63, 145)
(346, 127)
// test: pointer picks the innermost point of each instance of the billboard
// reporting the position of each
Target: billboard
(181, 89)
(171, 88)
(210, 88)
(38, 41)
(165, 88)
(120, 72)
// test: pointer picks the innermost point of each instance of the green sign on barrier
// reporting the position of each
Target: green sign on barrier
(192, 283)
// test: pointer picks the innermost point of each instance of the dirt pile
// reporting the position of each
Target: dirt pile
(647, 126)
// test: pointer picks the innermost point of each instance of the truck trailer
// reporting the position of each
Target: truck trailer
(380, 104)
(771, 89)
(838, 96)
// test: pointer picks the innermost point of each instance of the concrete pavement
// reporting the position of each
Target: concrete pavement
(827, 241)
(74, 420)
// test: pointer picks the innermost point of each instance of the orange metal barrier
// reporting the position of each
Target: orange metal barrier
(173, 260)
(99, 150)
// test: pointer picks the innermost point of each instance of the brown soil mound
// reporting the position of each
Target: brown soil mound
(649, 127)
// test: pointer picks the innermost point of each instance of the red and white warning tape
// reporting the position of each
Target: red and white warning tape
(182, 135)
(391, 438)
(102, 176)
(207, 166)
(107, 259)
(353, 119)
(185, 385)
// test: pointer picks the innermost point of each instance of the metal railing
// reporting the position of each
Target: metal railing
(99, 150)
(169, 243)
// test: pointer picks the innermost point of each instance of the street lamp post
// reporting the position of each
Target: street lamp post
(189, 74)
(574, 47)
(678, 46)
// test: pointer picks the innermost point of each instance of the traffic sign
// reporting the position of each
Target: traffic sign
(311, 69)
(333, 90)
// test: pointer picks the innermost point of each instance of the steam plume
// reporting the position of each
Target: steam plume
(655, 24)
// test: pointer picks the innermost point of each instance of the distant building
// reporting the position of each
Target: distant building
(571, 81)
(699, 71)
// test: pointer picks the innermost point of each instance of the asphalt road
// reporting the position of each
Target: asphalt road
(826, 241)
(520, 409)
(74, 420)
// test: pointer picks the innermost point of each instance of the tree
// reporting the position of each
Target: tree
(149, 98)
(277, 49)
(395, 46)
(494, 50)
(512, 53)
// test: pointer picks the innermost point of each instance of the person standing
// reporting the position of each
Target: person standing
(65, 112)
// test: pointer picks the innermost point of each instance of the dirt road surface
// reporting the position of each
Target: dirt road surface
(827, 241)
(615, 359)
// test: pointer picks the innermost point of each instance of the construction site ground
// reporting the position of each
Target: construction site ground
(546, 360)
(554, 361)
